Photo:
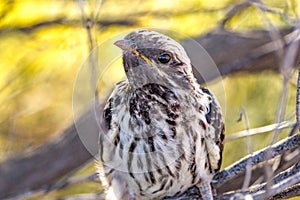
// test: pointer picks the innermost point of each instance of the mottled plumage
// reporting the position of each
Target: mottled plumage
(165, 132)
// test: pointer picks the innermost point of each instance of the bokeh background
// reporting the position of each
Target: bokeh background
(43, 44)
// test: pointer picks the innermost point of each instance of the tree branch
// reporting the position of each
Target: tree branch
(224, 179)
(253, 51)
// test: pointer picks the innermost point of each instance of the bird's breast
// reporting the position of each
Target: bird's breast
(158, 136)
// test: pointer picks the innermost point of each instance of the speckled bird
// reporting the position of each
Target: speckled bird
(165, 132)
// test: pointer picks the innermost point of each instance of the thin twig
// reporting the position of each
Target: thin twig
(259, 130)
(280, 177)
(282, 181)
(288, 61)
(298, 100)
(233, 11)
(290, 192)
(276, 188)
(283, 15)
(89, 23)
(247, 178)
(273, 31)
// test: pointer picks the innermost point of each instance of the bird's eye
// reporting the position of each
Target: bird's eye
(164, 58)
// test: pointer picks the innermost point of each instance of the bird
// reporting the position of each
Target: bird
(164, 131)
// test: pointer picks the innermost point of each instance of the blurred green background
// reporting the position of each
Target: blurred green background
(43, 45)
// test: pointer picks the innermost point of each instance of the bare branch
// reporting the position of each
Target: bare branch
(283, 15)
(233, 12)
(67, 22)
(281, 183)
(285, 183)
(259, 130)
(249, 151)
(89, 23)
(282, 176)
(290, 192)
(273, 31)
(127, 20)
(227, 174)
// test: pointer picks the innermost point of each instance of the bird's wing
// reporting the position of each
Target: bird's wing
(215, 120)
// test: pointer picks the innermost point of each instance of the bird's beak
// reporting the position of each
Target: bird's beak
(125, 45)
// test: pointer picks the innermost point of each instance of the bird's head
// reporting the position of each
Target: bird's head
(151, 57)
